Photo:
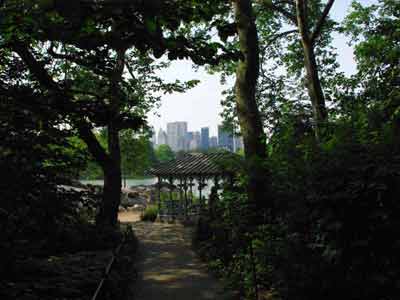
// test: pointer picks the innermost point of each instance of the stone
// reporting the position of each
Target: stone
(133, 194)
(138, 207)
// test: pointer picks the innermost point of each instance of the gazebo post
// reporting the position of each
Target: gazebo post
(170, 200)
(181, 192)
(185, 188)
(200, 191)
(171, 183)
(191, 189)
(213, 196)
(202, 184)
(159, 192)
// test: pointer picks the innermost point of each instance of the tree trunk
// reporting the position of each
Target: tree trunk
(314, 88)
(108, 214)
(112, 174)
(313, 82)
(110, 164)
(246, 105)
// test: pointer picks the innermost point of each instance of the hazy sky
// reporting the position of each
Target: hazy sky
(201, 107)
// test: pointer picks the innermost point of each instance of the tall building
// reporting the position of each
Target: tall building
(225, 139)
(176, 133)
(189, 138)
(162, 138)
(205, 138)
(153, 139)
(237, 143)
(213, 142)
(195, 142)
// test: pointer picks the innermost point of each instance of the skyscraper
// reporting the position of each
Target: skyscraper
(176, 133)
(213, 142)
(153, 139)
(162, 138)
(237, 143)
(205, 138)
(189, 138)
(196, 142)
(225, 138)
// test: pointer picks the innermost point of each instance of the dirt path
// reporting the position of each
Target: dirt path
(169, 269)
(129, 216)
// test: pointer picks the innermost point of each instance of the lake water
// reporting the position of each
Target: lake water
(150, 181)
(129, 182)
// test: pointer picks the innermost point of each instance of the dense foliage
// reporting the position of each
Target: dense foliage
(38, 215)
(137, 156)
(164, 153)
(335, 226)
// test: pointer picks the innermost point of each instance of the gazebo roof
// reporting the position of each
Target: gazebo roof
(194, 164)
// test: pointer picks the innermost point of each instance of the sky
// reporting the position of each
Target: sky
(200, 106)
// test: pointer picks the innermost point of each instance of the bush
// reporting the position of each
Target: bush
(150, 213)
(336, 229)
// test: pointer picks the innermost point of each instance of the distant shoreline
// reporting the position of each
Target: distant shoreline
(128, 181)
(127, 178)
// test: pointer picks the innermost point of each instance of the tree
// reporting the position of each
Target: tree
(374, 89)
(137, 153)
(37, 155)
(164, 153)
(250, 122)
(282, 83)
(309, 19)
(373, 32)
(78, 55)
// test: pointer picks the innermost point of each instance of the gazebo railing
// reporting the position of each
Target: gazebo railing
(171, 208)
(176, 209)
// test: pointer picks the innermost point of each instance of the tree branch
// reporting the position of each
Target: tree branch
(321, 21)
(280, 35)
(130, 122)
(88, 63)
(86, 93)
(301, 20)
(270, 42)
(87, 135)
(280, 10)
(36, 67)
(130, 70)
(115, 79)
(44, 78)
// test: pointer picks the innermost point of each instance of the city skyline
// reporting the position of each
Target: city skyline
(201, 104)
(177, 136)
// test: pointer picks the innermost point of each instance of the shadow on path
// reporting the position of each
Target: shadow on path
(169, 269)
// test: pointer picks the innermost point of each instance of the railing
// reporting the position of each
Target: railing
(107, 269)
(176, 209)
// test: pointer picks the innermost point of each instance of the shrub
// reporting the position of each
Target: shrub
(150, 213)
(336, 229)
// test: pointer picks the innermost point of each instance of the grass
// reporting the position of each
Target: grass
(150, 213)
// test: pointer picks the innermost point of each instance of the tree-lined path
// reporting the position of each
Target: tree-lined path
(168, 267)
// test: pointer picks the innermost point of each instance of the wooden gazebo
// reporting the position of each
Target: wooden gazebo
(189, 171)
